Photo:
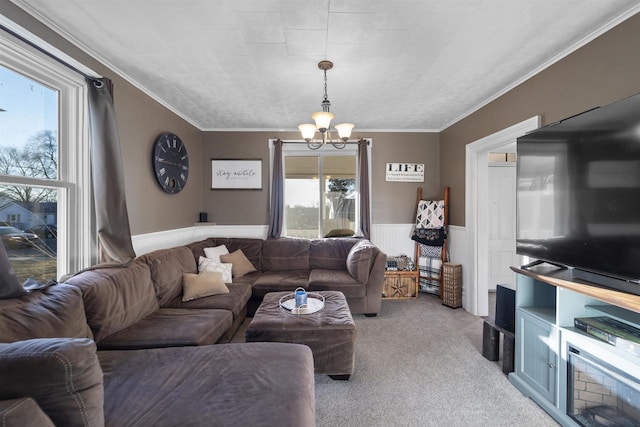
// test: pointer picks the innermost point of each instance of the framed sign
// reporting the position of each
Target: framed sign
(405, 172)
(236, 174)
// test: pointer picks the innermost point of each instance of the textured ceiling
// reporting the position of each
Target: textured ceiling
(399, 65)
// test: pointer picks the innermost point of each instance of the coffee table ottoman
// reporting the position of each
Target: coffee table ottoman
(330, 332)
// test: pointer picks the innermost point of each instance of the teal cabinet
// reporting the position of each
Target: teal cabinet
(537, 354)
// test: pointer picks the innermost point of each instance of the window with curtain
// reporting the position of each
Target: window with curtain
(320, 191)
(44, 208)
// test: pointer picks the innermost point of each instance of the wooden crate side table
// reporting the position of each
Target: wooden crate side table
(400, 284)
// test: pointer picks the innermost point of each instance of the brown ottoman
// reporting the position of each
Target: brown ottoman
(330, 332)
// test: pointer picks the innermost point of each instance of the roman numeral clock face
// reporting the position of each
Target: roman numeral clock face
(170, 163)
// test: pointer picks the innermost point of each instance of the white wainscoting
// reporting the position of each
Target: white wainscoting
(393, 239)
(145, 243)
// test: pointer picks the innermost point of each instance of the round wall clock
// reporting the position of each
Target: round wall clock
(170, 162)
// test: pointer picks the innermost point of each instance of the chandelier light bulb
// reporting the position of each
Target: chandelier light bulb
(344, 130)
(307, 130)
(323, 120)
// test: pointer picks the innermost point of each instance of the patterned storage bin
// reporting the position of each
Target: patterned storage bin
(452, 285)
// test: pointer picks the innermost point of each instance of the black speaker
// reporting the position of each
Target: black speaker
(203, 217)
(506, 308)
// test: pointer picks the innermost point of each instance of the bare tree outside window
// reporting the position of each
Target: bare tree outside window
(38, 158)
(28, 163)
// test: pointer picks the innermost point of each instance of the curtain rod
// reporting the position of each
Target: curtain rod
(302, 141)
(46, 52)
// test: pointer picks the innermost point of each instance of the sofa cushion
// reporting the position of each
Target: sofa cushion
(270, 281)
(115, 298)
(23, 412)
(330, 254)
(240, 264)
(56, 311)
(61, 374)
(167, 266)
(247, 384)
(332, 280)
(201, 285)
(360, 259)
(283, 254)
(197, 248)
(252, 248)
(234, 301)
(171, 327)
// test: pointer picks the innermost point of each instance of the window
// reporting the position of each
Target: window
(320, 191)
(44, 164)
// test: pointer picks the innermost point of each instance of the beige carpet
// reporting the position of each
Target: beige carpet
(419, 363)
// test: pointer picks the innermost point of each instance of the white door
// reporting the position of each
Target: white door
(501, 221)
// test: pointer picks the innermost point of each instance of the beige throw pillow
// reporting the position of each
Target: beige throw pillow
(206, 264)
(215, 252)
(240, 263)
(202, 285)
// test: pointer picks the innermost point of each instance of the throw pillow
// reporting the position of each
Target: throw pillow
(207, 264)
(240, 263)
(202, 285)
(215, 252)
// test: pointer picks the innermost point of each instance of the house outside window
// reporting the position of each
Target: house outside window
(320, 191)
(44, 164)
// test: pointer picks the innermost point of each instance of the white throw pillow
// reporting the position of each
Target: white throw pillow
(215, 252)
(206, 264)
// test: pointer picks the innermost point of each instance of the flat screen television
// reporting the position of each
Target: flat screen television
(578, 194)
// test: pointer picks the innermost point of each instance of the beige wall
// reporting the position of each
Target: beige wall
(140, 120)
(393, 202)
(602, 72)
(599, 73)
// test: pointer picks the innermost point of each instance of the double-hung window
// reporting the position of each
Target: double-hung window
(45, 210)
(320, 191)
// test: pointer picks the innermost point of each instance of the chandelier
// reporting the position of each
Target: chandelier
(323, 121)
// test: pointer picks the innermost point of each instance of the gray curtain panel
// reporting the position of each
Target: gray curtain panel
(363, 178)
(112, 219)
(277, 192)
(10, 287)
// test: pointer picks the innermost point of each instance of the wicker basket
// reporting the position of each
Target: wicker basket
(452, 285)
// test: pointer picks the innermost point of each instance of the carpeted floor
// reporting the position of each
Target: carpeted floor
(419, 363)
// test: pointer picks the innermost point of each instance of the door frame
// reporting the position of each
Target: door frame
(484, 217)
(476, 183)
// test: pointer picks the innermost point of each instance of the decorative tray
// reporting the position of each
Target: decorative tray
(315, 303)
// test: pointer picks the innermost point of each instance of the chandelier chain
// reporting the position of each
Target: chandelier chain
(323, 120)
(326, 104)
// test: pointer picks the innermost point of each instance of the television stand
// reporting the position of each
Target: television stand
(547, 303)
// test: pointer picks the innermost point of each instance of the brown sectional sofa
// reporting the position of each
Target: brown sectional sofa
(118, 346)
(351, 265)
